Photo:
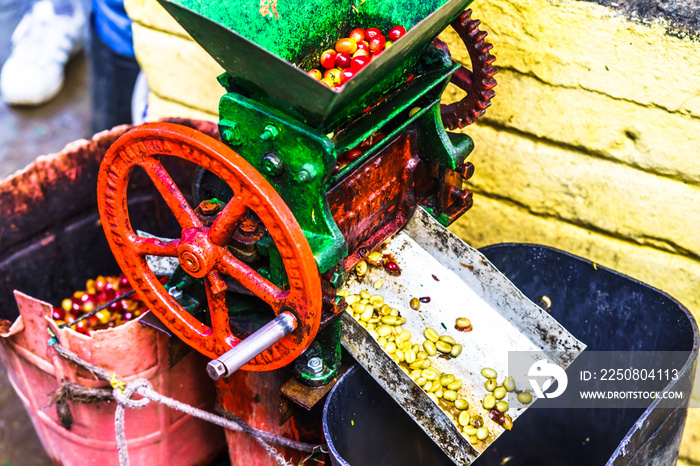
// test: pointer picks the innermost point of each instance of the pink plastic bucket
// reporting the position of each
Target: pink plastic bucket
(155, 434)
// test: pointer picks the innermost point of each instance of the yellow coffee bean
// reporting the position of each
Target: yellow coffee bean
(389, 320)
(428, 385)
(364, 294)
(385, 310)
(384, 330)
(400, 355)
(421, 381)
(400, 320)
(433, 397)
(394, 312)
(430, 373)
(448, 339)
(489, 373)
(378, 284)
(344, 293)
(426, 364)
(443, 347)
(439, 392)
(431, 334)
(420, 354)
(456, 350)
(470, 430)
(382, 341)
(375, 258)
(367, 314)
(374, 333)
(361, 268)
(352, 299)
(377, 300)
(390, 347)
(463, 322)
(429, 347)
(410, 356)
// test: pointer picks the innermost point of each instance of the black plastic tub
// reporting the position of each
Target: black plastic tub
(604, 309)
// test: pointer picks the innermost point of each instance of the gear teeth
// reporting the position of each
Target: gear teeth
(483, 104)
(488, 83)
(488, 94)
(489, 71)
(473, 25)
(486, 59)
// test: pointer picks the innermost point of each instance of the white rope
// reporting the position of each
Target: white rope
(123, 393)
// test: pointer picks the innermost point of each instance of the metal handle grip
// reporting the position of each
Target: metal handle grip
(242, 353)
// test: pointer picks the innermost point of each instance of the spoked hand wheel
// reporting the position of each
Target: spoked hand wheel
(202, 251)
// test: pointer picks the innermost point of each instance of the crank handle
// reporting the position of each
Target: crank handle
(242, 353)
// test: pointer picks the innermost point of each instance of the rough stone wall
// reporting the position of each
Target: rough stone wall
(592, 144)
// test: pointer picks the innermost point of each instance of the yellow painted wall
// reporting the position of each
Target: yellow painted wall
(592, 144)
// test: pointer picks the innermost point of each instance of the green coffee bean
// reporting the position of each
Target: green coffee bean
(431, 334)
(448, 339)
(430, 373)
(489, 373)
(482, 433)
(489, 402)
(447, 379)
(524, 398)
(463, 419)
(461, 404)
(502, 406)
(470, 430)
(450, 395)
(456, 350)
(499, 393)
(509, 383)
(443, 347)
(429, 347)
(456, 385)
(490, 385)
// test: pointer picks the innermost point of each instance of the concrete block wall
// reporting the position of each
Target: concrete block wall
(592, 144)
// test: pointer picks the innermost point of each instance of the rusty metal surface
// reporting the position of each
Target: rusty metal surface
(460, 283)
(377, 199)
(305, 395)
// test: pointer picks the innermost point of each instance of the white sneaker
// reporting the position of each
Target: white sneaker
(42, 43)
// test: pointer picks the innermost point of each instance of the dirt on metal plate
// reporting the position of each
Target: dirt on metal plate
(460, 282)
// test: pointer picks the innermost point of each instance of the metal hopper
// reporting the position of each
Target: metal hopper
(265, 46)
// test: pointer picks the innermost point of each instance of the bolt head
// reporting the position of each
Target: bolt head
(216, 369)
(272, 164)
(315, 365)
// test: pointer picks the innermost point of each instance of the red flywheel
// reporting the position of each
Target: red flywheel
(202, 251)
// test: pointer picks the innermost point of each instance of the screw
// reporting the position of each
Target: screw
(307, 172)
(209, 207)
(270, 132)
(315, 365)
